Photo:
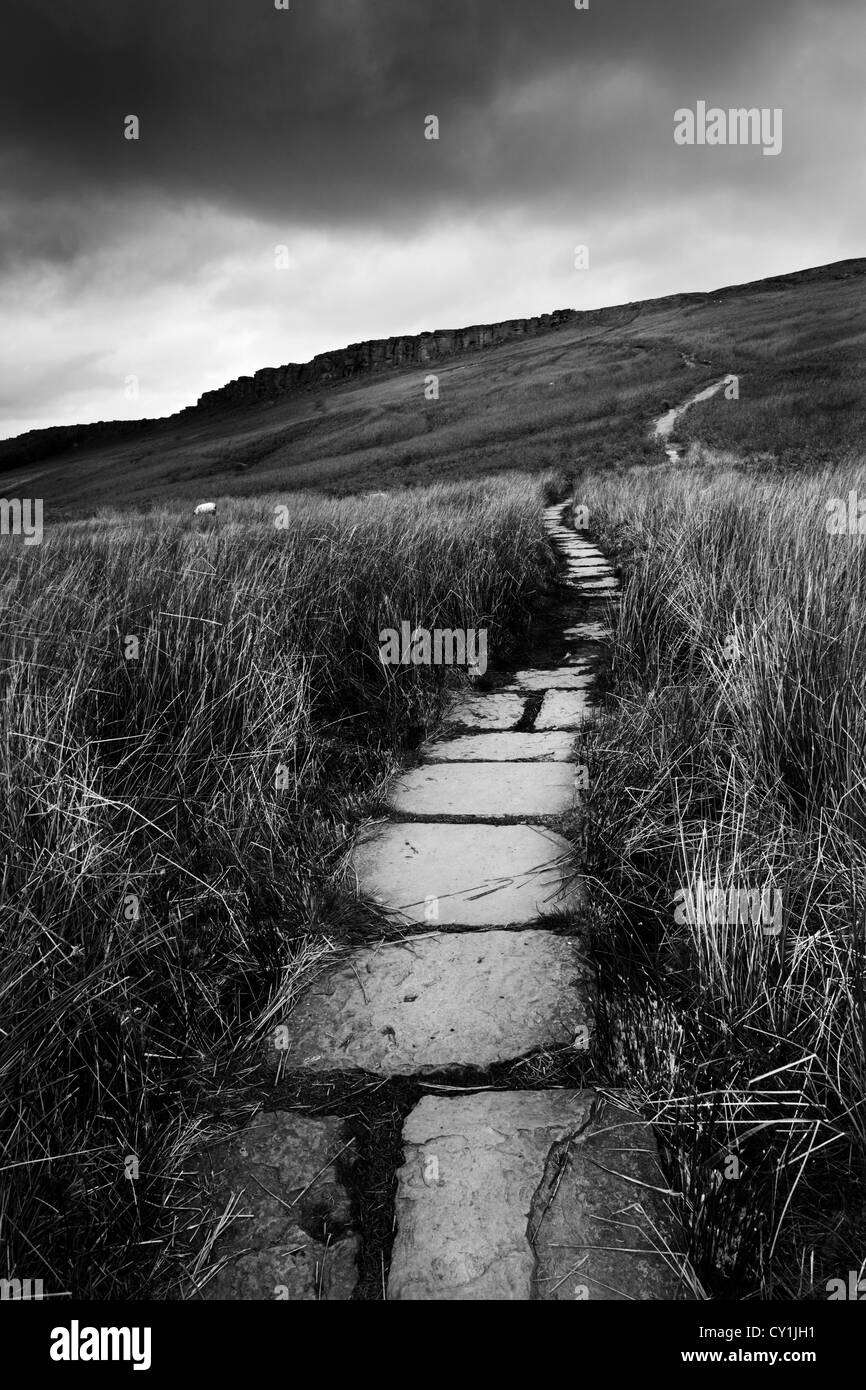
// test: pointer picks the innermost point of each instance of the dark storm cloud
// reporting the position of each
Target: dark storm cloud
(304, 127)
(316, 113)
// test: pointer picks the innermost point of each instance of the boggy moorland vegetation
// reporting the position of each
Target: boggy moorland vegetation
(193, 723)
(163, 901)
(733, 752)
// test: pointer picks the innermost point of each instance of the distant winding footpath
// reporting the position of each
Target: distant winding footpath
(664, 425)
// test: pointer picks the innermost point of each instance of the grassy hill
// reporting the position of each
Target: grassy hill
(165, 897)
(582, 393)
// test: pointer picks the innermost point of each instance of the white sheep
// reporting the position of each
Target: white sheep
(205, 509)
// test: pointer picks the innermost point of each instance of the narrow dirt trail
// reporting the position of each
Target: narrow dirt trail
(515, 1194)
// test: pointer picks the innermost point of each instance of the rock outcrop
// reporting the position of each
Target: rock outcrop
(379, 355)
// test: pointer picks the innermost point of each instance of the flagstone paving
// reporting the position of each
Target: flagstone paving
(503, 1194)
(442, 1000)
(475, 748)
(466, 875)
(560, 678)
(495, 791)
(486, 711)
(564, 709)
(288, 1229)
(522, 1195)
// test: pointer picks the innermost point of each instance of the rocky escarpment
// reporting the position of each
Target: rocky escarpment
(59, 439)
(379, 355)
(419, 350)
(344, 364)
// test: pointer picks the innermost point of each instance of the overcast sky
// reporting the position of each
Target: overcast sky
(305, 128)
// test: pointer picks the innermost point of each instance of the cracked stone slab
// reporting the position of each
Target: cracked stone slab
(494, 711)
(527, 1196)
(603, 1222)
(559, 678)
(472, 1166)
(442, 1000)
(468, 875)
(484, 791)
(564, 709)
(481, 748)
(291, 1236)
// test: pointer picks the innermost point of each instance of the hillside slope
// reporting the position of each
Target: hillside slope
(530, 394)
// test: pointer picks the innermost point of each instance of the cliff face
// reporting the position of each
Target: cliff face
(58, 439)
(359, 359)
(378, 355)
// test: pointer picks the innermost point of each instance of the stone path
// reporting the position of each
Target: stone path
(664, 425)
(503, 1194)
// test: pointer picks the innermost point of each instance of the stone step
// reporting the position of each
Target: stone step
(589, 632)
(564, 709)
(467, 875)
(593, 585)
(494, 711)
(489, 792)
(292, 1236)
(576, 677)
(524, 1196)
(600, 589)
(509, 748)
(443, 1000)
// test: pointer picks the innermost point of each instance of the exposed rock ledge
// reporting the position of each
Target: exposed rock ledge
(379, 354)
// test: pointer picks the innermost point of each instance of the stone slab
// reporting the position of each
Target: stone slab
(292, 1235)
(598, 585)
(442, 1000)
(559, 678)
(480, 1209)
(482, 748)
(494, 711)
(494, 791)
(589, 632)
(603, 1223)
(478, 875)
(564, 709)
(300, 1271)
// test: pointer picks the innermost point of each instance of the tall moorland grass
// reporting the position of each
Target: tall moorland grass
(733, 753)
(161, 898)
